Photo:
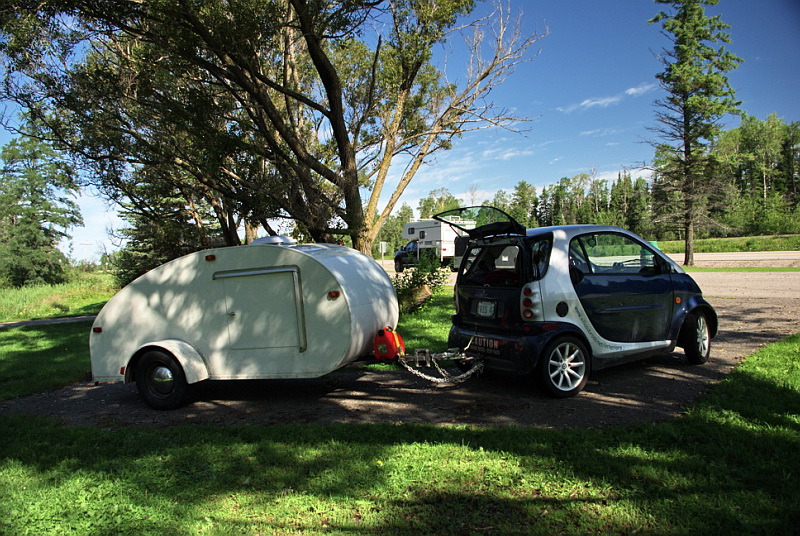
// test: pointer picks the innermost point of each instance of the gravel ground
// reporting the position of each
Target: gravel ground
(755, 309)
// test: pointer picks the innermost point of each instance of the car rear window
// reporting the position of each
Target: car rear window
(504, 265)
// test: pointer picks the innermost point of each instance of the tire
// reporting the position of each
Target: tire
(563, 367)
(160, 381)
(398, 266)
(696, 338)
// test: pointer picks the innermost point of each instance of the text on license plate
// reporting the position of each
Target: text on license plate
(486, 309)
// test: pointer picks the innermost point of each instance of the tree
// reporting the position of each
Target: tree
(698, 96)
(392, 231)
(36, 212)
(321, 97)
(757, 160)
(438, 200)
(524, 205)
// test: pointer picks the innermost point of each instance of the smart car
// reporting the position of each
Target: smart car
(558, 303)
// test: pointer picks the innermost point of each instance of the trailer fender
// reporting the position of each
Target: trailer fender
(193, 364)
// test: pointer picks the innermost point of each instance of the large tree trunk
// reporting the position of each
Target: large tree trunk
(688, 257)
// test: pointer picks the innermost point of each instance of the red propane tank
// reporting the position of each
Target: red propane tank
(388, 344)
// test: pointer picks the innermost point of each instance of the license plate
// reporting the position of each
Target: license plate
(486, 309)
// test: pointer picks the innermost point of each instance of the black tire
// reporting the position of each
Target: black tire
(160, 381)
(398, 266)
(696, 338)
(563, 367)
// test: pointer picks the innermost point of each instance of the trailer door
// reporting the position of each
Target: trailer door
(264, 307)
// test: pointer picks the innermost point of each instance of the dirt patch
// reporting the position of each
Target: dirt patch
(755, 309)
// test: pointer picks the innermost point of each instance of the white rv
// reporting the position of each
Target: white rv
(434, 238)
(256, 311)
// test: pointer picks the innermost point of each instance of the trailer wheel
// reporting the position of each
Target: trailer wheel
(160, 380)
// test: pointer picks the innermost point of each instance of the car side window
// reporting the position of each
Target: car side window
(611, 253)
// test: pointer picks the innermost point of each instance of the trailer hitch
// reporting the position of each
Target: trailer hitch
(423, 357)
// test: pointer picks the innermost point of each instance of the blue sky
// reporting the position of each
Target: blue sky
(591, 89)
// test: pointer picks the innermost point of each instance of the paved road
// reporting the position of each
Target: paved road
(64, 320)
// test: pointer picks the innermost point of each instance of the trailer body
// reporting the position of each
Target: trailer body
(246, 312)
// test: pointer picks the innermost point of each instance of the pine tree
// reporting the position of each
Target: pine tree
(698, 96)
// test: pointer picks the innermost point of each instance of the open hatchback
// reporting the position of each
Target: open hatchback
(558, 302)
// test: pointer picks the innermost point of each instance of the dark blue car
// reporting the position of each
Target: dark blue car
(560, 302)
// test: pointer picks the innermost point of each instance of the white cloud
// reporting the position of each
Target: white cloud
(605, 102)
(640, 90)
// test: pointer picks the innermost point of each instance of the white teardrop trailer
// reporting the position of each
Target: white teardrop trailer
(260, 311)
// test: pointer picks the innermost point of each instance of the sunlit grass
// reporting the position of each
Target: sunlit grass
(84, 296)
(729, 466)
(41, 358)
(742, 244)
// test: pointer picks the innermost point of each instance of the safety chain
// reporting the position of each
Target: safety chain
(446, 377)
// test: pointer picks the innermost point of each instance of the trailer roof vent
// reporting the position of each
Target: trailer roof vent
(274, 241)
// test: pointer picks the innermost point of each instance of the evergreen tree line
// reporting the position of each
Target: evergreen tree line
(754, 172)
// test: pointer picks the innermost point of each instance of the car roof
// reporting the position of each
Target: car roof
(574, 230)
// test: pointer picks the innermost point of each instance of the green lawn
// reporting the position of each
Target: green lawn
(728, 466)
(85, 295)
(743, 244)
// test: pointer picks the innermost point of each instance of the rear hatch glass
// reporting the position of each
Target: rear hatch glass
(482, 222)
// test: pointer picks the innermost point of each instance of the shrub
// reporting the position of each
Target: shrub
(415, 285)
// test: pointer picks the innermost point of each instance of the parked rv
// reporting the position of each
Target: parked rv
(434, 239)
(248, 312)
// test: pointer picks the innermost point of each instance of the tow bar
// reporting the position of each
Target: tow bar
(423, 357)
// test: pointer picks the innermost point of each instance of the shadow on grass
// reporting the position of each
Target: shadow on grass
(729, 466)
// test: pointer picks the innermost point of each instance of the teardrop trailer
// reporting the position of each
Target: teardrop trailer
(259, 311)
(553, 303)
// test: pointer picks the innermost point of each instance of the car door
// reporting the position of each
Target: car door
(623, 287)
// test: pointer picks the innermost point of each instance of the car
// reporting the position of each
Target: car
(558, 303)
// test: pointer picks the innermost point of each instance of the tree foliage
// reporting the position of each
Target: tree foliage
(287, 108)
(698, 96)
(36, 212)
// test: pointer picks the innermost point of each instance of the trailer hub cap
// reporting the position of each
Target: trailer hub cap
(161, 379)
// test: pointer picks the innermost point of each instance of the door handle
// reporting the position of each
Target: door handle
(232, 313)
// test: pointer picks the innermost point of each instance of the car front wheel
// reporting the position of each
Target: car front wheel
(563, 368)
(697, 339)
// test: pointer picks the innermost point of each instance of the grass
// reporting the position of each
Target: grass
(728, 466)
(742, 244)
(742, 269)
(41, 358)
(84, 296)
(426, 328)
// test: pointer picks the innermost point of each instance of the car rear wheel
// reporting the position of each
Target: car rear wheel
(697, 338)
(563, 368)
(160, 381)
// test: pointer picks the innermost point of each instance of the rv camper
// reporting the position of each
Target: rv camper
(434, 239)
(247, 312)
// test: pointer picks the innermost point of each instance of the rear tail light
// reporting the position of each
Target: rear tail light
(531, 303)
